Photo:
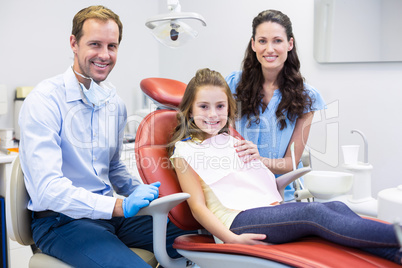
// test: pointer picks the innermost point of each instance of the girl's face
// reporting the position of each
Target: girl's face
(210, 109)
(271, 45)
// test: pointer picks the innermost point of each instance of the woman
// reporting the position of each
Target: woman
(276, 106)
(238, 202)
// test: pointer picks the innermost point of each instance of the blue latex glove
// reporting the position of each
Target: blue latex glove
(141, 197)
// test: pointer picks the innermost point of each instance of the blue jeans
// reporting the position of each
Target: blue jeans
(333, 221)
(99, 243)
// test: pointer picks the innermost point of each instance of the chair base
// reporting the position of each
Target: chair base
(218, 260)
(308, 252)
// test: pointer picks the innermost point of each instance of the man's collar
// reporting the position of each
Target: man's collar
(73, 88)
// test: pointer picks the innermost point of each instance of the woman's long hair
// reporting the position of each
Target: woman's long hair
(185, 123)
(249, 92)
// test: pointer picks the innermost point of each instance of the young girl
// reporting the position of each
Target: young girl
(238, 202)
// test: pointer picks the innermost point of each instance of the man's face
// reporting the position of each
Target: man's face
(96, 52)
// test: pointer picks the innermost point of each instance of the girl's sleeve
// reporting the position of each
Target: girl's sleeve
(178, 151)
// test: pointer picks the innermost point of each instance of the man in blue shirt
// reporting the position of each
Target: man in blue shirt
(71, 140)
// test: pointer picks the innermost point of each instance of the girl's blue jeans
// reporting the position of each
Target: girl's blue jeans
(333, 221)
(99, 243)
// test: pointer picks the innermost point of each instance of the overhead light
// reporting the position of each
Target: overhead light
(169, 29)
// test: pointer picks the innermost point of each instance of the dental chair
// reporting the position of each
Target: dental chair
(20, 229)
(153, 164)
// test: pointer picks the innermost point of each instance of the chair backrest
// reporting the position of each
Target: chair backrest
(167, 93)
(21, 217)
(153, 134)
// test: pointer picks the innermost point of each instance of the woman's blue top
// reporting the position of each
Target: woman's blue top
(271, 141)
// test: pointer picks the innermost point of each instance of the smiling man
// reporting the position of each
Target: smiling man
(72, 129)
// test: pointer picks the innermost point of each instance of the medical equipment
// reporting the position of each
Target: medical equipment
(300, 191)
(324, 185)
(169, 29)
(352, 187)
(390, 204)
(398, 231)
(154, 165)
(97, 93)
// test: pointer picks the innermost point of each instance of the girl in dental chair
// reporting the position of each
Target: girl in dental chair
(238, 202)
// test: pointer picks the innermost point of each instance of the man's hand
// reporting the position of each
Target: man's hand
(141, 197)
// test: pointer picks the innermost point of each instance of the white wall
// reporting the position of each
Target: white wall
(34, 45)
(360, 96)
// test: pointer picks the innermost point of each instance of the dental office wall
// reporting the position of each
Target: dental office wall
(34, 45)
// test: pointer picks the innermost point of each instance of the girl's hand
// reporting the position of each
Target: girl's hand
(247, 150)
(250, 239)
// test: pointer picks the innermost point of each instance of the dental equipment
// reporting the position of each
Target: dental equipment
(398, 232)
(390, 204)
(365, 144)
(169, 29)
(352, 187)
(300, 192)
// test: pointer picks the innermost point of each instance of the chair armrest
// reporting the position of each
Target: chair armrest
(159, 209)
(286, 179)
(163, 204)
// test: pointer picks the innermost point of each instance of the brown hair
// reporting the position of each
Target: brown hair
(94, 12)
(186, 126)
(249, 91)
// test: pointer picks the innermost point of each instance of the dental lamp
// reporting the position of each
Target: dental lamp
(169, 29)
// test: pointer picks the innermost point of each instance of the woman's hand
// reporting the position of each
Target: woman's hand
(247, 150)
(250, 239)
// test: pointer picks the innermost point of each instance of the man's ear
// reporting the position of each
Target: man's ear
(73, 43)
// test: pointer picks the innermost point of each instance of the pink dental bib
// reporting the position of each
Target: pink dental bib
(236, 184)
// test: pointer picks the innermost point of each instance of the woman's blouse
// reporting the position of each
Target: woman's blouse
(271, 141)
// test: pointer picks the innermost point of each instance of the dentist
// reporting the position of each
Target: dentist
(275, 104)
(71, 140)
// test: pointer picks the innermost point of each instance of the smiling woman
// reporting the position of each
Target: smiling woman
(271, 47)
(276, 106)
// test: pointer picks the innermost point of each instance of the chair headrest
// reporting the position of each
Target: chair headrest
(166, 93)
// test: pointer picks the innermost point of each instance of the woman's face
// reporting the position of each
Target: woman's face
(271, 45)
(210, 109)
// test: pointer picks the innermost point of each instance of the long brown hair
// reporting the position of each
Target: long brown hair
(249, 92)
(185, 124)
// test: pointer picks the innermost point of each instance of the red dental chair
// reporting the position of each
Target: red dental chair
(153, 165)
